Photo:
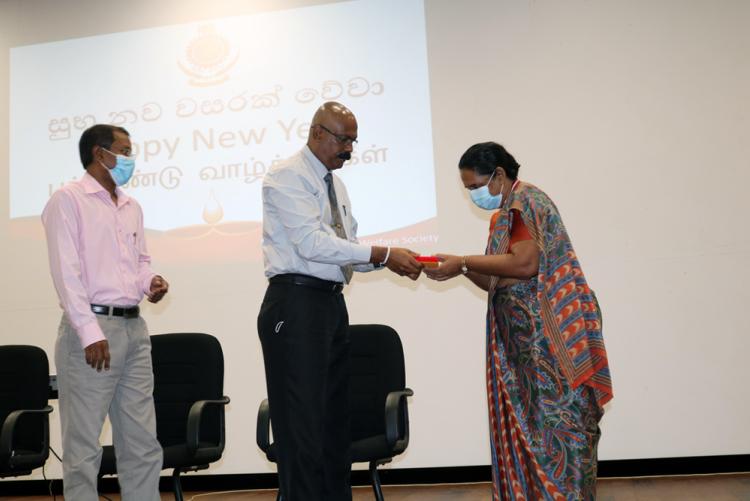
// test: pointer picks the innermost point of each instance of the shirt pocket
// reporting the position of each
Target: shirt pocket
(130, 240)
(348, 220)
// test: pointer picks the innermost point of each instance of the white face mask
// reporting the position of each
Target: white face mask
(483, 199)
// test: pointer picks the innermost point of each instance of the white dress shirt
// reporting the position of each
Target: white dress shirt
(297, 232)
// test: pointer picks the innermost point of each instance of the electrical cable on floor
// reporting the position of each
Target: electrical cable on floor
(226, 492)
(51, 492)
(44, 476)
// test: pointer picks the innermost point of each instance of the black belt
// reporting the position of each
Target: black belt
(307, 281)
(116, 311)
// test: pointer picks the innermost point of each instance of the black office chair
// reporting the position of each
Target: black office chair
(24, 413)
(189, 402)
(378, 400)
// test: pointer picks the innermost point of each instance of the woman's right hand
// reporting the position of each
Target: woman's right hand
(450, 266)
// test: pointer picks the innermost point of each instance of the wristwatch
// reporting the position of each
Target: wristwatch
(464, 268)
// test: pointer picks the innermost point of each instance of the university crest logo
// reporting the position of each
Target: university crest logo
(208, 58)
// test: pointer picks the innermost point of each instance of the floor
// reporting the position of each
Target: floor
(734, 487)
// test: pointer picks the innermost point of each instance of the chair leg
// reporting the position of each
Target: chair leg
(376, 481)
(177, 484)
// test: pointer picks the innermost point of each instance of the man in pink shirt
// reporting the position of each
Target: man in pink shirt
(101, 271)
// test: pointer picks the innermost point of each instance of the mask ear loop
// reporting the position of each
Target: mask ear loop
(102, 163)
(502, 186)
(102, 148)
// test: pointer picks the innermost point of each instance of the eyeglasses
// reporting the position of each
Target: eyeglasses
(340, 138)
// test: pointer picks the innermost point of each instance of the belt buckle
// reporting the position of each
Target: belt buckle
(100, 309)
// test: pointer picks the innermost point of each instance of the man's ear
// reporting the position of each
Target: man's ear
(315, 133)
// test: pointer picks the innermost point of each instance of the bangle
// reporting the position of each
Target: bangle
(387, 255)
(464, 268)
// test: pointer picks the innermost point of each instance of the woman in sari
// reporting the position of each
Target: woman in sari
(547, 372)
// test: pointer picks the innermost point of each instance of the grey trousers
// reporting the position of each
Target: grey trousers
(125, 392)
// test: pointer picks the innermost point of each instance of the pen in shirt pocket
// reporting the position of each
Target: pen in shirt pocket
(344, 207)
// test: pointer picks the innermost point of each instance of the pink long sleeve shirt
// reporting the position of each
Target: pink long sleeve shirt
(97, 252)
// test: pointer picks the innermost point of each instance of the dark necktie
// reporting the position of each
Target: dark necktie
(337, 223)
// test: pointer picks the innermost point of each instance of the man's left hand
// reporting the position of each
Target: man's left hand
(159, 287)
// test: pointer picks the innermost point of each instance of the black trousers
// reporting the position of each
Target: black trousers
(305, 338)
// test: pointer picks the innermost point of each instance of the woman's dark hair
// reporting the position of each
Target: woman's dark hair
(483, 158)
(97, 135)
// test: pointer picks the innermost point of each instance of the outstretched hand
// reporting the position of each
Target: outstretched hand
(450, 266)
(401, 261)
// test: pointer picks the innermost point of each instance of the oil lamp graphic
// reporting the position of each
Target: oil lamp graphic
(212, 210)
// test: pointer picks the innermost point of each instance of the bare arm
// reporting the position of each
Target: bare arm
(522, 263)
(481, 281)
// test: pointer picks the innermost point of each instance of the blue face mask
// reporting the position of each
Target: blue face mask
(484, 199)
(123, 169)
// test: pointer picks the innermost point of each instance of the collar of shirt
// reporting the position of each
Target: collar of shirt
(92, 186)
(320, 169)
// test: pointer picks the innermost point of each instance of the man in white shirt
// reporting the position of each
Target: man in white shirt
(310, 250)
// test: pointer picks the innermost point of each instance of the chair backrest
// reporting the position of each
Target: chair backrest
(187, 367)
(24, 384)
(376, 368)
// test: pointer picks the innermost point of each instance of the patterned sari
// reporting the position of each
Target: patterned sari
(547, 372)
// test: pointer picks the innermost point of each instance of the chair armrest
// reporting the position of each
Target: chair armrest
(262, 429)
(194, 422)
(395, 408)
(8, 430)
